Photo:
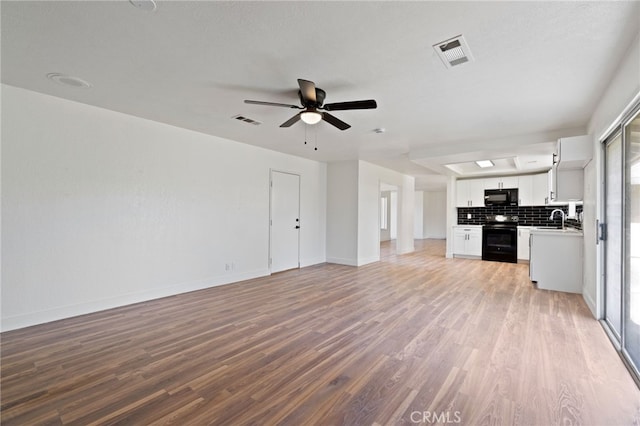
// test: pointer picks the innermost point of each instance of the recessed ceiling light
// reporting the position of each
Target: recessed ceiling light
(68, 80)
(146, 5)
(485, 163)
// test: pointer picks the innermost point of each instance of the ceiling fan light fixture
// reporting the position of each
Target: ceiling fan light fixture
(311, 117)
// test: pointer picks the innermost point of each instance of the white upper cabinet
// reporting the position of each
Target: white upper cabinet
(574, 152)
(533, 190)
(504, 182)
(540, 189)
(470, 193)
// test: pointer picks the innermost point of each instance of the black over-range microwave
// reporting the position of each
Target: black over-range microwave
(501, 197)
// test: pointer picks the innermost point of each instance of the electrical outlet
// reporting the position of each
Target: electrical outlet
(227, 267)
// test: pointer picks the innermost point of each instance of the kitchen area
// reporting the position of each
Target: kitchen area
(529, 218)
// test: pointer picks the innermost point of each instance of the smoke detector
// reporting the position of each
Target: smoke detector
(453, 52)
(146, 5)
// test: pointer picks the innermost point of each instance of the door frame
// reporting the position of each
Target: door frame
(618, 127)
(270, 221)
(613, 335)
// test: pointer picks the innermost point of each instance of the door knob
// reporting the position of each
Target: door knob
(297, 226)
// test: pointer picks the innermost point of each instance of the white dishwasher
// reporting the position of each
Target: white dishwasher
(555, 261)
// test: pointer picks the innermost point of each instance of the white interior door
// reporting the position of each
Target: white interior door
(285, 221)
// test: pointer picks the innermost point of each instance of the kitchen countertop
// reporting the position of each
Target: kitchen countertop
(569, 232)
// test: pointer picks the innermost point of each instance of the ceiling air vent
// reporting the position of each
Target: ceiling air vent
(246, 120)
(454, 51)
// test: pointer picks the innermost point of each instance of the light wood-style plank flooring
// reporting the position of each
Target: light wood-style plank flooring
(413, 339)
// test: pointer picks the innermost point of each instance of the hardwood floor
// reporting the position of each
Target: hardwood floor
(412, 339)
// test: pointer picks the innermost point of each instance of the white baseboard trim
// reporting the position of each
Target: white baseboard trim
(590, 303)
(310, 262)
(342, 261)
(366, 261)
(405, 250)
(62, 312)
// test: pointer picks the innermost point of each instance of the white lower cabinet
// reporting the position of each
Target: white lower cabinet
(556, 260)
(467, 241)
(523, 243)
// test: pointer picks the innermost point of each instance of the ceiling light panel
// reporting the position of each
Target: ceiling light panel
(485, 163)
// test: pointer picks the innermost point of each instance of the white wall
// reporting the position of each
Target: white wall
(621, 92)
(102, 209)
(353, 211)
(418, 216)
(451, 213)
(393, 215)
(369, 178)
(342, 213)
(385, 234)
(435, 214)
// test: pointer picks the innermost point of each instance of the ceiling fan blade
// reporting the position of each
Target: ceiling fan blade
(308, 90)
(293, 120)
(341, 106)
(335, 121)
(247, 101)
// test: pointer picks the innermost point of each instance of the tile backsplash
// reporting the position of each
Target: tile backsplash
(528, 216)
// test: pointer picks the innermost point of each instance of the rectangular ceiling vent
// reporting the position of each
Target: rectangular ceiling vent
(246, 120)
(454, 51)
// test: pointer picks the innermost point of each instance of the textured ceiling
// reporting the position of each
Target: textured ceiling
(539, 69)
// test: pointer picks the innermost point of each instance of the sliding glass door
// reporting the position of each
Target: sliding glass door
(631, 341)
(621, 235)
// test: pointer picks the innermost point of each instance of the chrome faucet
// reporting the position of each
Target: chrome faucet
(561, 215)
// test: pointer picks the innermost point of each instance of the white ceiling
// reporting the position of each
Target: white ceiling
(539, 70)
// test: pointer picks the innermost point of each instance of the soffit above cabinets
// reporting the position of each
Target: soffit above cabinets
(531, 158)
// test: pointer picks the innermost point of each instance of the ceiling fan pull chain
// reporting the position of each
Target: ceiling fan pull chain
(316, 138)
(305, 133)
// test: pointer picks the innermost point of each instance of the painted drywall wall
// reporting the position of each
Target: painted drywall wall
(623, 90)
(353, 211)
(385, 234)
(435, 214)
(393, 215)
(418, 216)
(369, 178)
(103, 209)
(589, 215)
(342, 213)
(451, 214)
